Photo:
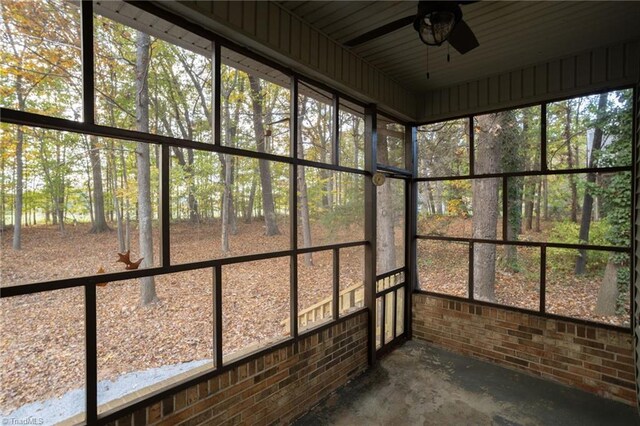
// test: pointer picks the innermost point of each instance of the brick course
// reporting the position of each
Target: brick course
(590, 358)
(275, 388)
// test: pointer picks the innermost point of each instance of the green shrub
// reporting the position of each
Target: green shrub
(567, 232)
(564, 260)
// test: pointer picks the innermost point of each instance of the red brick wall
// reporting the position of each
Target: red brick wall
(594, 359)
(275, 388)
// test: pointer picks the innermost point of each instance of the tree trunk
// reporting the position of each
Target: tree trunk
(188, 165)
(545, 190)
(100, 222)
(303, 200)
(429, 197)
(60, 212)
(596, 204)
(327, 195)
(127, 205)
(268, 206)
(570, 162)
(529, 195)
(512, 154)
(111, 163)
(227, 211)
(587, 205)
(438, 201)
(528, 214)
(385, 238)
(90, 197)
(354, 134)
(3, 192)
(59, 189)
(485, 208)
(226, 204)
(538, 202)
(143, 164)
(608, 293)
(194, 211)
(17, 221)
(252, 196)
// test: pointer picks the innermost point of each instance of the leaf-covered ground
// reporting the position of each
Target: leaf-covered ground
(443, 268)
(42, 341)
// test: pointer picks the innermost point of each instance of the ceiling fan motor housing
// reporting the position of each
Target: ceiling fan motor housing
(435, 21)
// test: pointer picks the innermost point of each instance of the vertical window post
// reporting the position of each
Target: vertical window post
(293, 209)
(88, 102)
(634, 257)
(88, 116)
(217, 125)
(336, 285)
(91, 354)
(164, 208)
(370, 143)
(411, 203)
(335, 131)
(217, 312)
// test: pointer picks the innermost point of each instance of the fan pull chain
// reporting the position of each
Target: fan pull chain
(427, 63)
(448, 50)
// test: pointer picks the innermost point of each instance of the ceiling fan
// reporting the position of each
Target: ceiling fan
(435, 22)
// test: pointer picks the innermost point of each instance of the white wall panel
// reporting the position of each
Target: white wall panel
(454, 98)
(528, 82)
(505, 87)
(515, 90)
(598, 69)
(271, 30)
(463, 96)
(583, 69)
(493, 90)
(249, 17)
(632, 67)
(540, 82)
(235, 14)
(554, 77)
(473, 95)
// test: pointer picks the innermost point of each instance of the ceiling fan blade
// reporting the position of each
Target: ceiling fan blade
(462, 38)
(380, 31)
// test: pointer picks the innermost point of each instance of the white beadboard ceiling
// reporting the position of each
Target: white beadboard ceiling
(512, 34)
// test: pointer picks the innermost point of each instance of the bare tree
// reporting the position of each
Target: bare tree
(268, 206)
(17, 221)
(303, 198)
(143, 163)
(587, 204)
(21, 98)
(570, 162)
(485, 206)
(99, 219)
(386, 246)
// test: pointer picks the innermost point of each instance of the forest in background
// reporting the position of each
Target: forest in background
(71, 202)
(592, 207)
(64, 179)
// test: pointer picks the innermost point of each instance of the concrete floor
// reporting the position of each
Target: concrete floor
(418, 384)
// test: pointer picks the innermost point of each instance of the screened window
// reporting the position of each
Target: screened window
(177, 229)
(47, 79)
(557, 200)
(391, 137)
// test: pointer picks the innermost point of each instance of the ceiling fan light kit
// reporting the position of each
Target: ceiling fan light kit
(435, 22)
